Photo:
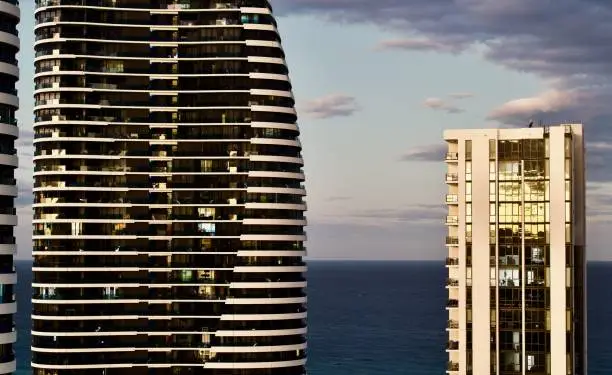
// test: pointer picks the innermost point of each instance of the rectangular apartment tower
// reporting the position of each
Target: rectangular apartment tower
(516, 251)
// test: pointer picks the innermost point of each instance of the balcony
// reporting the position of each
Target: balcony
(452, 156)
(452, 324)
(452, 345)
(452, 178)
(452, 366)
(452, 220)
(452, 303)
(452, 261)
(452, 198)
(452, 240)
(452, 282)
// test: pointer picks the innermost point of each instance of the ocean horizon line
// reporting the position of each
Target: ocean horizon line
(333, 260)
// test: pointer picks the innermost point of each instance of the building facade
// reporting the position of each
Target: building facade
(9, 103)
(169, 212)
(516, 251)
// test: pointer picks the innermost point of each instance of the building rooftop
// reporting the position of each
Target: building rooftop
(537, 131)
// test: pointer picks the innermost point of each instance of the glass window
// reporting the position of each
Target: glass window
(569, 255)
(509, 170)
(492, 170)
(509, 277)
(492, 148)
(468, 276)
(468, 191)
(208, 228)
(113, 66)
(537, 255)
(186, 275)
(534, 169)
(468, 170)
(7, 115)
(206, 212)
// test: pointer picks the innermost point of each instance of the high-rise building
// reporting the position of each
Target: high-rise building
(9, 74)
(516, 251)
(169, 212)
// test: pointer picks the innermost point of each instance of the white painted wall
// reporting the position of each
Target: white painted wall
(557, 252)
(481, 326)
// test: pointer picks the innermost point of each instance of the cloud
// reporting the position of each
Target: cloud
(329, 106)
(24, 195)
(25, 134)
(461, 95)
(599, 202)
(415, 214)
(23, 174)
(338, 198)
(599, 206)
(568, 43)
(418, 44)
(441, 105)
(519, 110)
(24, 143)
(431, 153)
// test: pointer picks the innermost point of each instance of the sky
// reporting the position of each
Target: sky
(376, 83)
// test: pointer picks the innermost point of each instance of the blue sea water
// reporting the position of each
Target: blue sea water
(380, 318)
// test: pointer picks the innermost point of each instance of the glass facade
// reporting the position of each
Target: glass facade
(169, 213)
(520, 244)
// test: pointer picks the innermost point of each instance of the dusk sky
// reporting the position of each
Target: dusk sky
(376, 82)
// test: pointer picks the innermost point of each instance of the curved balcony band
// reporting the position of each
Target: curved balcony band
(168, 191)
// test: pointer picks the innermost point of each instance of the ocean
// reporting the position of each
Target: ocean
(380, 318)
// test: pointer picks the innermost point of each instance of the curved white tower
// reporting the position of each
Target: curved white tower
(169, 212)
(9, 74)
